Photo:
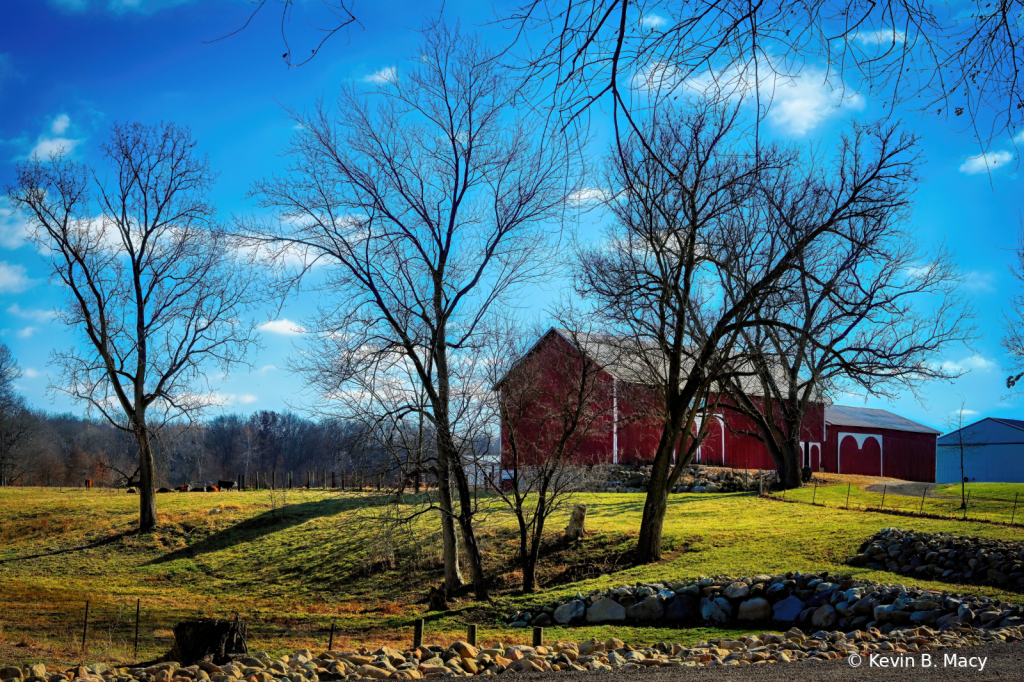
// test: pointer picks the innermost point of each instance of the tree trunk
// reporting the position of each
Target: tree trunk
(648, 546)
(788, 467)
(476, 565)
(147, 480)
(529, 571)
(449, 541)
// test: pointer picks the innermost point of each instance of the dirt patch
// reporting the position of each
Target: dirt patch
(908, 488)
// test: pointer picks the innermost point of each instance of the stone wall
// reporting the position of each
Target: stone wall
(948, 558)
(815, 601)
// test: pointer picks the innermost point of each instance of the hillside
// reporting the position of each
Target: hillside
(294, 564)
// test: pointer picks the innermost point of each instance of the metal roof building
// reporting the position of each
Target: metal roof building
(873, 442)
(992, 450)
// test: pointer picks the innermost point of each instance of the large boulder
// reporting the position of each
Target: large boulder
(717, 610)
(824, 617)
(737, 591)
(606, 611)
(572, 612)
(787, 610)
(650, 608)
(757, 608)
(683, 607)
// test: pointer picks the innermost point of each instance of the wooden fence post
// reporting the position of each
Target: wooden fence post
(1014, 514)
(923, 493)
(85, 625)
(330, 645)
(847, 495)
(815, 496)
(417, 633)
(884, 487)
(138, 607)
(538, 637)
(471, 634)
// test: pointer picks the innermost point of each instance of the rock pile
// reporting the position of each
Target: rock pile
(696, 479)
(949, 558)
(463, 660)
(818, 601)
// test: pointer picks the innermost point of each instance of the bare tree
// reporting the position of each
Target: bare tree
(634, 56)
(705, 234)
(550, 399)
(429, 207)
(966, 444)
(17, 423)
(865, 312)
(323, 21)
(154, 287)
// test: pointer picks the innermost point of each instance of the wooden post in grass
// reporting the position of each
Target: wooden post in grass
(815, 495)
(883, 497)
(923, 493)
(471, 634)
(330, 644)
(847, 495)
(417, 633)
(538, 637)
(138, 607)
(967, 502)
(1014, 514)
(85, 625)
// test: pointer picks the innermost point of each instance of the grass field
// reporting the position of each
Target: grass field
(294, 565)
(988, 501)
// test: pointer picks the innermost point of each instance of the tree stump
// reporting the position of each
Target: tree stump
(577, 527)
(208, 640)
(438, 600)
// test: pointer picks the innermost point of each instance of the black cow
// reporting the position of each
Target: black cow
(225, 485)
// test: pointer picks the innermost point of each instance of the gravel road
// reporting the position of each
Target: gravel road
(1003, 662)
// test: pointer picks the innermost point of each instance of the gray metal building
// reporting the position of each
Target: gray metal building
(993, 452)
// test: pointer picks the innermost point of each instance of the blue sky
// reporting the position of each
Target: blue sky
(69, 68)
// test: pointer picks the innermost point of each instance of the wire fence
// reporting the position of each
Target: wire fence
(929, 504)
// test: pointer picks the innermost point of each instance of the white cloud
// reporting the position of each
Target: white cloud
(14, 228)
(588, 195)
(653, 20)
(388, 74)
(60, 124)
(27, 332)
(973, 362)
(247, 398)
(13, 278)
(984, 163)
(966, 413)
(37, 315)
(267, 368)
(46, 146)
(881, 37)
(31, 373)
(980, 281)
(804, 103)
(283, 326)
(796, 104)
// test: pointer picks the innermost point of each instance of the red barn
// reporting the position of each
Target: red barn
(872, 442)
(629, 425)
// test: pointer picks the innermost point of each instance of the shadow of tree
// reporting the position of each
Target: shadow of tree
(267, 523)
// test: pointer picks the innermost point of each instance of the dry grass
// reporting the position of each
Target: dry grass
(292, 570)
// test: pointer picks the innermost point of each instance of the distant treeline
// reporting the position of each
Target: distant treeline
(67, 450)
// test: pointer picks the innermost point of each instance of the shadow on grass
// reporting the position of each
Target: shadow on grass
(110, 539)
(266, 523)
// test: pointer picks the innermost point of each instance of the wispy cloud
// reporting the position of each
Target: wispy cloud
(13, 278)
(982, 282)
(31, 373)
(36, 315)
(267, 368)
(55, 141)
(27, 332)
(247, 398)
(14, 229)
(388, 74)
(652, 20)
(119, 6)
(968, 364)
(283, 326)
(881, 37)
(986, 163)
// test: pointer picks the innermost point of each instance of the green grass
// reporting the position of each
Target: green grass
(293, 566)
(988, 502)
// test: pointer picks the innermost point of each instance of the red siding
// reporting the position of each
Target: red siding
(904, 455)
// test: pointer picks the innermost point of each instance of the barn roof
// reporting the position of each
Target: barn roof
(867, 417)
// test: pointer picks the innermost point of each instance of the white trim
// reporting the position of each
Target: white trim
(721, 422)
(807, 451)
(861, 438)
(615, 421)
